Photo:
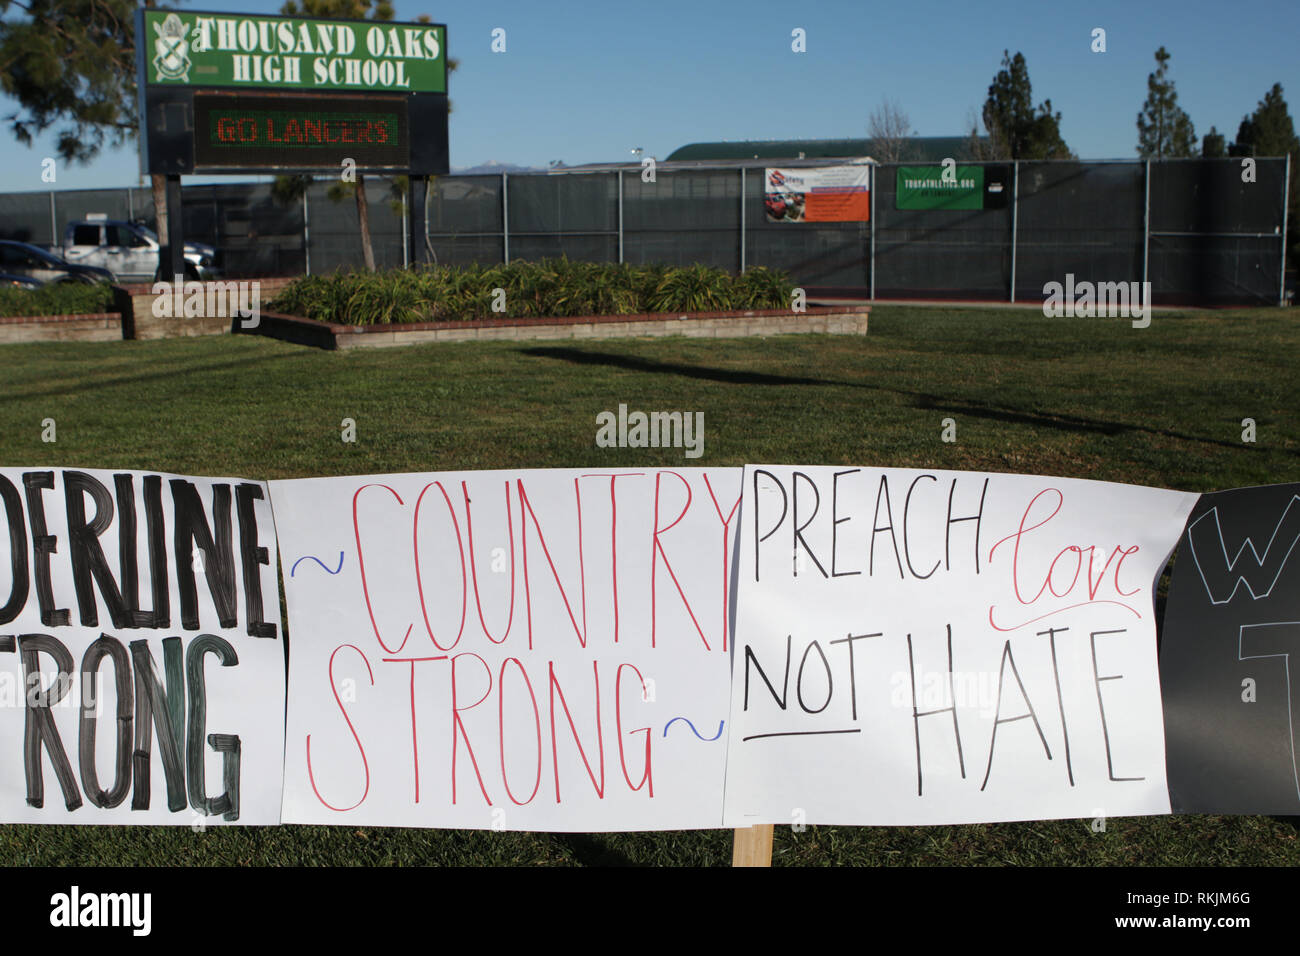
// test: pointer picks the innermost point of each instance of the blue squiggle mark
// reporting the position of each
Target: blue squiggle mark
(312, 557)
(693, 730)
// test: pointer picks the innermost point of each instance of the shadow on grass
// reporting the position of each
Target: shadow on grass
(590, 850)
(924, 400)
(180, 370)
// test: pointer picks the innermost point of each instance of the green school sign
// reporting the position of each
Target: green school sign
(934, 187)
(194, 49)
(237, 93)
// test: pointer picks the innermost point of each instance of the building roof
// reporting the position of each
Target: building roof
(923, 149)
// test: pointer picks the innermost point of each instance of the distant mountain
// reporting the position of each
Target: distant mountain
(492, 166)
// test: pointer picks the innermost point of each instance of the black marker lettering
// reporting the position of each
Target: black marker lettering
(253, 556)
(782, 699)
(84, 552)
(918, 714)
(882, 494)
(40, 731)
(836, 521)
(759, 539)
(1105, 731)
(853, 682)
(1007, 656)
(17, 550)
(43, 545)
(1051, 633)
(193, 533)
(830, 681)
(163, 711)
(105, 646)
(907, 547)
(977, 518)
(226, 744)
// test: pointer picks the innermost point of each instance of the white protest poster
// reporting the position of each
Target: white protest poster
(511, 650)
(142, 671)
(931, 647)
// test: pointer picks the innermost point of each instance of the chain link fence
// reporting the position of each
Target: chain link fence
(1193, 228)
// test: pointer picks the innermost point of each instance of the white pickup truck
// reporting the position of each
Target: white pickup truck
(128, 250)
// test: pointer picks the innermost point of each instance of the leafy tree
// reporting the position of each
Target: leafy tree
(70, 64)
(890, 131)
(1164, 130)
(1214, 145)
(1016, 129)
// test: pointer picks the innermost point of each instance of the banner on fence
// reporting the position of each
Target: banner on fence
(526, 650)
(818, 194)
(141, 659)
(919, 647)
(1231, 624)
(952, 187)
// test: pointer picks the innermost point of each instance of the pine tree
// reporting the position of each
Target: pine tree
(1214, 145)
(1015, 129)
(1164, 130)
(1269, 131)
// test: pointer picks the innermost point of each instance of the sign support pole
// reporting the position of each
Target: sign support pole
(172, 254)
(416, 192)
(752, 846)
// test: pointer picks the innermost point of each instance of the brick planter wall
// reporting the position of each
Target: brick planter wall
(143, 324)
(839, 320)
(87, 327)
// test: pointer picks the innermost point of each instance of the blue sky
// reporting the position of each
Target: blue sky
(588, 81)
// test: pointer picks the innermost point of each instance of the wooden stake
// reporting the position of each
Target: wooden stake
(753, 846)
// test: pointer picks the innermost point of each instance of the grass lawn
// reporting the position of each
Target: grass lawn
(1085, 398)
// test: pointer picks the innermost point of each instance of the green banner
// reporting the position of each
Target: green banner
(939, 187)
(184, 48)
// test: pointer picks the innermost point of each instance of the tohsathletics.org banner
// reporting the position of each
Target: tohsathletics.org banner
(641, 649)
(818, 194)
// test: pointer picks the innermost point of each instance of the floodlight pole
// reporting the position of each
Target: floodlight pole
(871, 215)
(1286, 199)
(505, 220)
(1146, 221)
(1015, 222)
(742, 219)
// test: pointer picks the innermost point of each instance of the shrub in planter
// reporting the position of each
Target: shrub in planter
(548, 287)
(63, 298)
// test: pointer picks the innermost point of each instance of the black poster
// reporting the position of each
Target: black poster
(1231, 691)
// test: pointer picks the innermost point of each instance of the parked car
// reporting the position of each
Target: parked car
(129, 250)
(22, 259)
(18, 282)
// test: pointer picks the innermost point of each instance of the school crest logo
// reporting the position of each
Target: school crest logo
(171, 50)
